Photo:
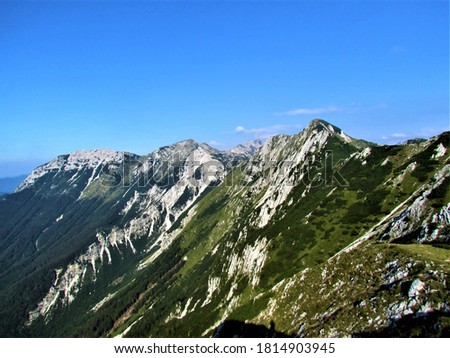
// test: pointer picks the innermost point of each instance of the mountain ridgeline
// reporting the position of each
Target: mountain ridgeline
(317, 234)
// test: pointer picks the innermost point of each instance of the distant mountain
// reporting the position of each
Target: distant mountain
(414, 141)
(247, 149)
(317, 234)
(8, 185)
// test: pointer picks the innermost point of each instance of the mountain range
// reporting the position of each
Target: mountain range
(316, 234)
(9, 184)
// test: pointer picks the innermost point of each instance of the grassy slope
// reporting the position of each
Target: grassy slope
(353, 294)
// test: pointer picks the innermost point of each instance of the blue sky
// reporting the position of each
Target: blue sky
(136, 75)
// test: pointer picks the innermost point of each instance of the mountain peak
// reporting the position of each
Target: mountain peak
(414, 141)
(320, 124)
(185, 146)
(247, 149)
(317, 121)
(95, 155)
(186, 142)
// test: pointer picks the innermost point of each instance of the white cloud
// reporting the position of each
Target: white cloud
(399, 137)
(311, 111)
(394, 138)
(266, 132)
(332, 109)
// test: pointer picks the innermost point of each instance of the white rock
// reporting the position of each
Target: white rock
(416, 288)
(440, 151)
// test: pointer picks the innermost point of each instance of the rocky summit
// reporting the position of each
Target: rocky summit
(317, 234)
